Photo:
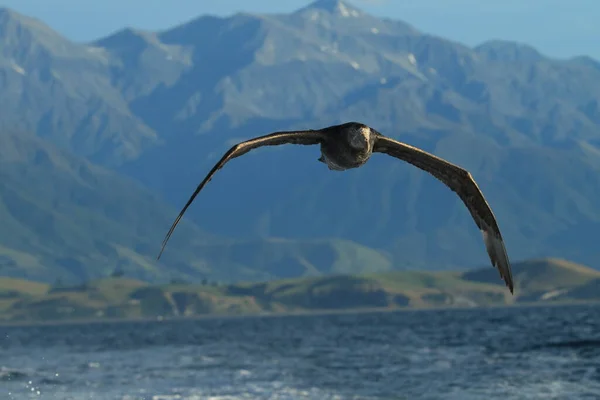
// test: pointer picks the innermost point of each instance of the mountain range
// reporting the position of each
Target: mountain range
(102, 142)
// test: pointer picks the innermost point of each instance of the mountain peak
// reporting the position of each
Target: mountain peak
(7, 13)
(336, 7)
(586, 60)
(510, 51)
(124, 36)
(11, 17)
(13, 25)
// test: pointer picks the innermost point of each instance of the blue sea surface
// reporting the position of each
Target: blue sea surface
(495, 353)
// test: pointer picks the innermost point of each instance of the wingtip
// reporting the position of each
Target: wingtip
(508, 281)
(509, 278)
(160, 253)
(497, 252)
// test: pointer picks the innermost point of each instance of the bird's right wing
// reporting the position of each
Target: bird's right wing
(462, 183)
(307, 137)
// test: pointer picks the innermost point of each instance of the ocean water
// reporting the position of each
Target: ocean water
(499, 353)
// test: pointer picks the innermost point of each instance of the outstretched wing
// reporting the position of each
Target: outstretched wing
(463, 184)
(307, 137)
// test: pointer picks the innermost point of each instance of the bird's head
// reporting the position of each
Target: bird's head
(359, 136)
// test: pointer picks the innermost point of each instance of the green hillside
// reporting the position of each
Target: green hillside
(538, 281)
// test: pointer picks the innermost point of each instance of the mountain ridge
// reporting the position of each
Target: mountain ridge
(162, 107)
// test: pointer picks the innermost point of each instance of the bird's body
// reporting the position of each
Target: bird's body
(347, 146)
(350, 145)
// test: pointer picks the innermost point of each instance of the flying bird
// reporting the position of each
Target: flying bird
(350, 145)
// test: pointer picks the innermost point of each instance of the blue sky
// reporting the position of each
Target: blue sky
(559, 28)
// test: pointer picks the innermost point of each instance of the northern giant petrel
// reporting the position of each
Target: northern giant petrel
(350, 145)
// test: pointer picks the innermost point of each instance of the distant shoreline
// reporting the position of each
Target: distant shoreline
(302, 313)
(549, 282)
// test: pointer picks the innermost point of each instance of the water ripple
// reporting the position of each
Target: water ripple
(500, 353)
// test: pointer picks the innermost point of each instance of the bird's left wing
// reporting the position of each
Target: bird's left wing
(307, 137)
(462, 183)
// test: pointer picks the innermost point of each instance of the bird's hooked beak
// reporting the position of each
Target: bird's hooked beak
(360, 139)
(367, 139)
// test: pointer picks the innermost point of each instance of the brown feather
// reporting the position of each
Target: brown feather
(307, 137)
(462, 183)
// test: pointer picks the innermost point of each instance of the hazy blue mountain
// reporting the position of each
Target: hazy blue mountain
(162, 107)
(65, 218)
(63, 91)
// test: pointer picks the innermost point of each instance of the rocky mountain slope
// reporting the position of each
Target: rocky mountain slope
(161, 108)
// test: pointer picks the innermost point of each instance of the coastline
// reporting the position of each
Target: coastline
(284, 314)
